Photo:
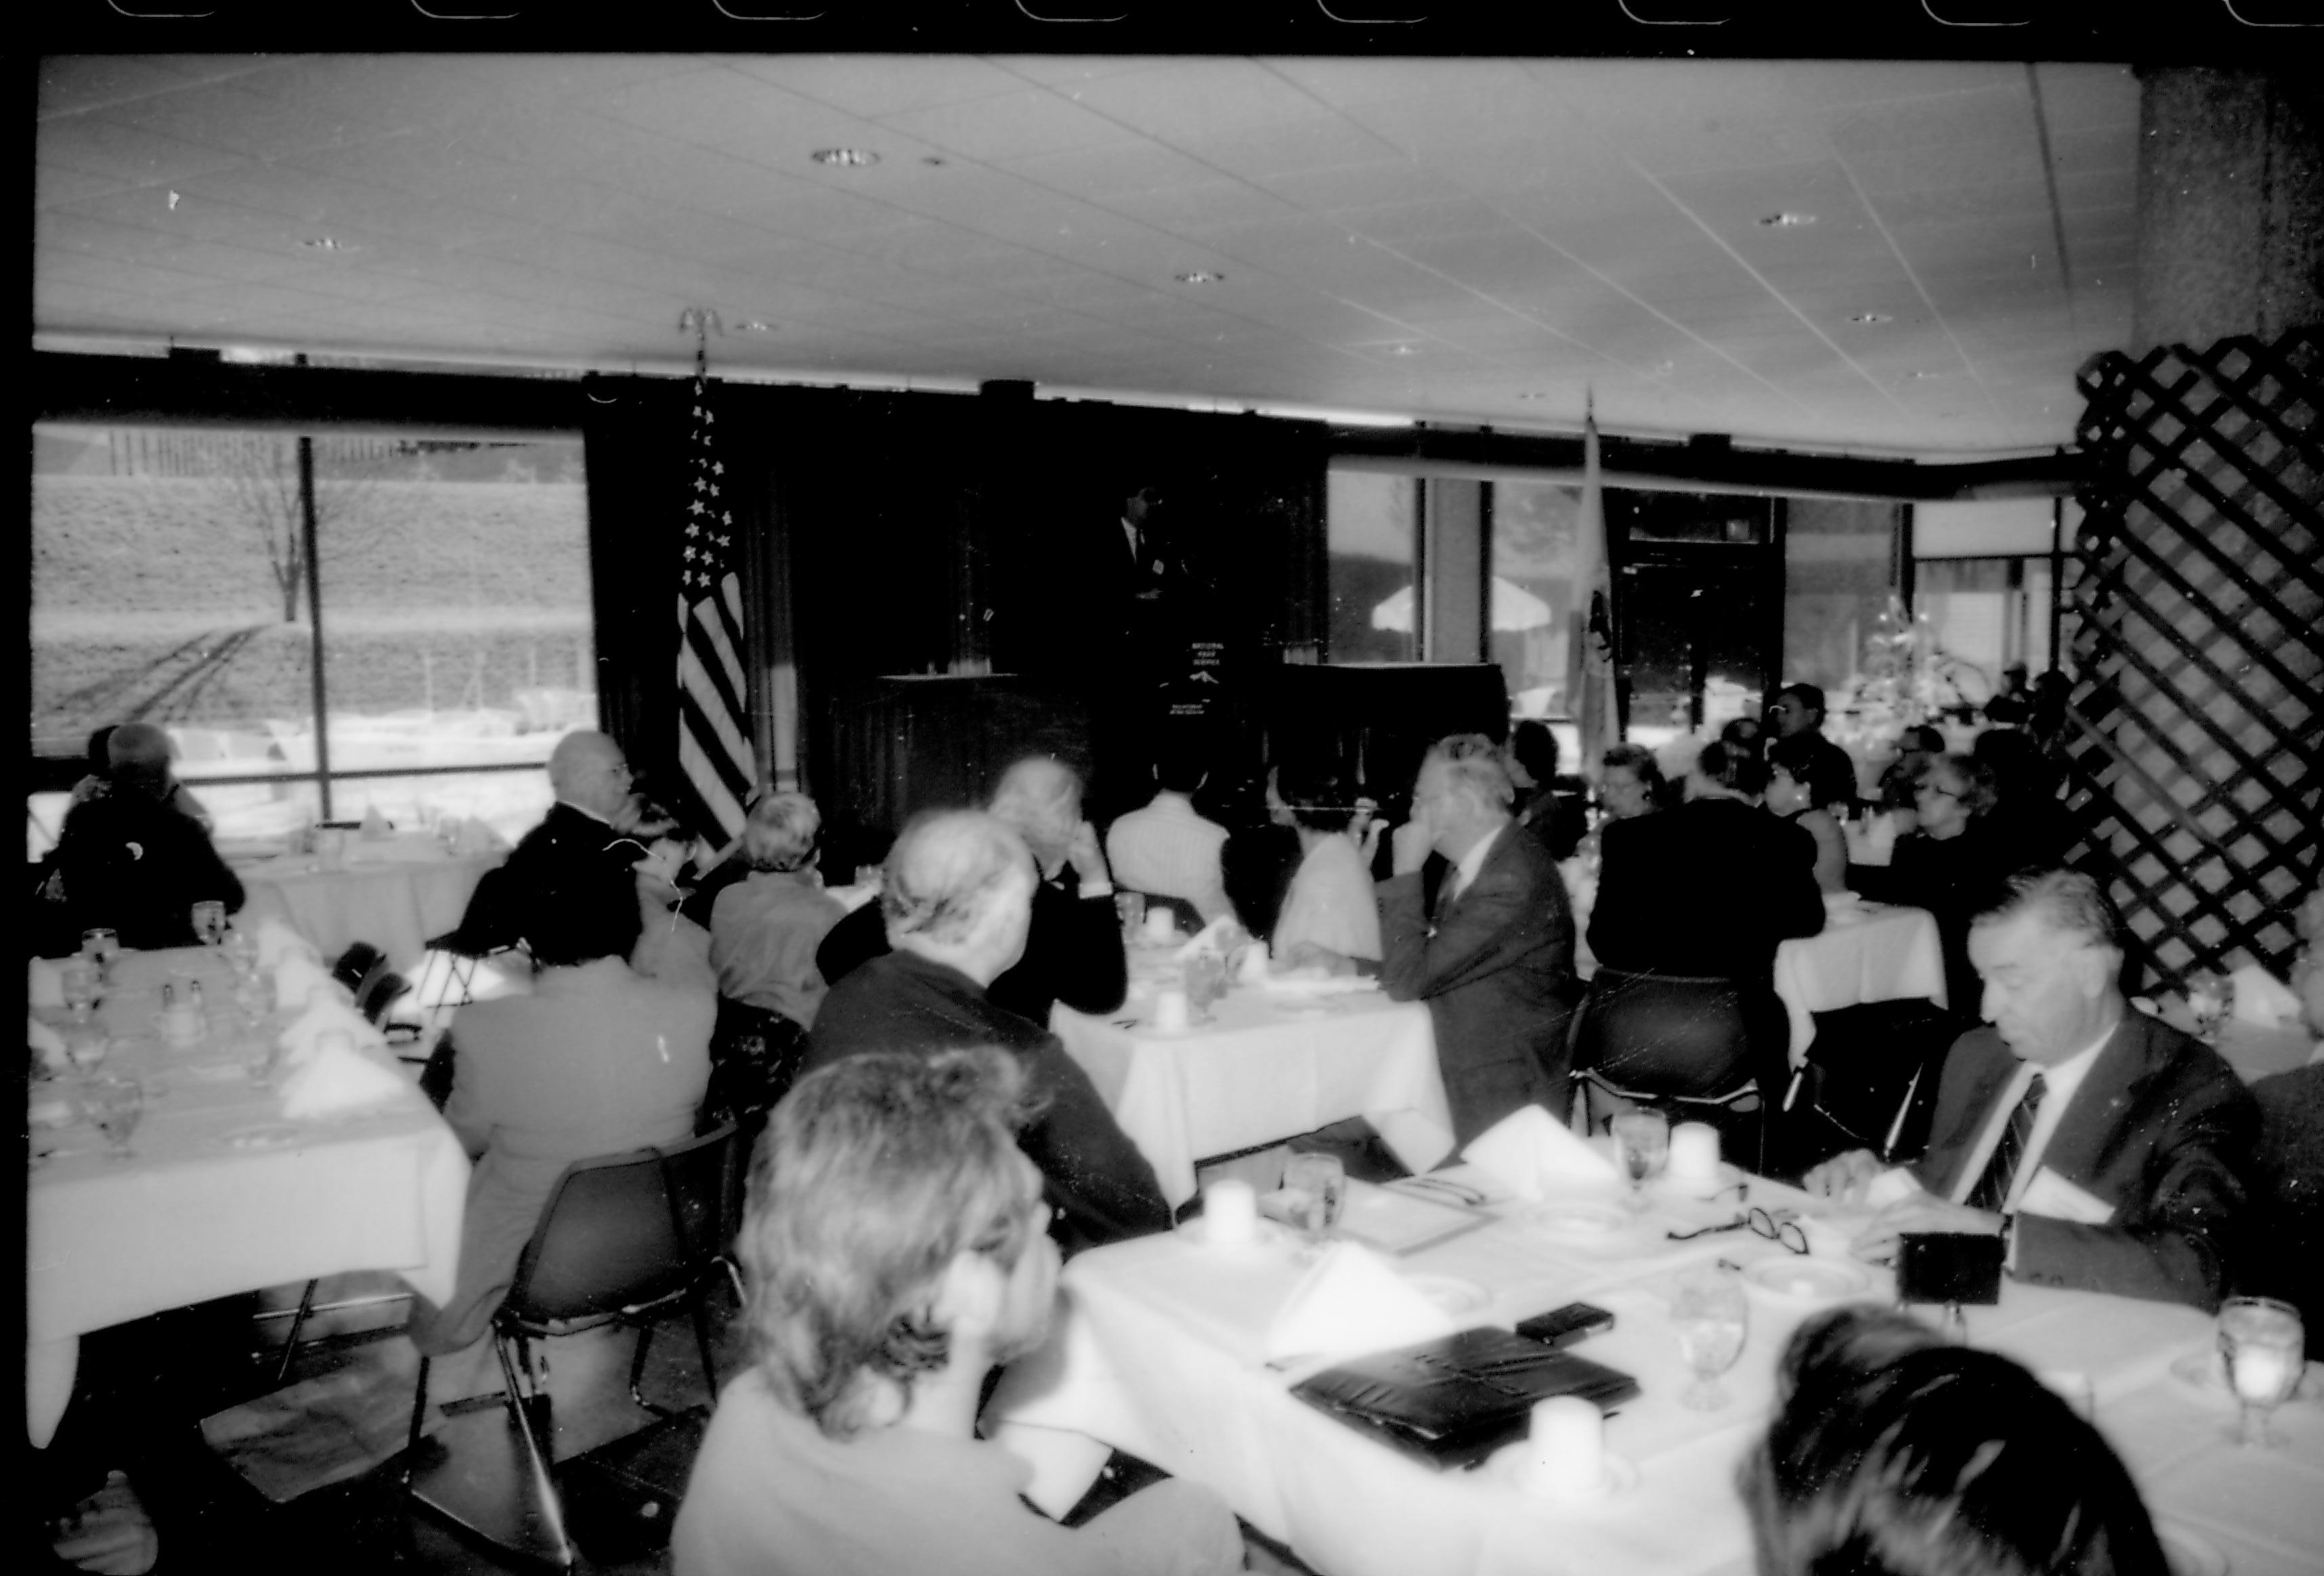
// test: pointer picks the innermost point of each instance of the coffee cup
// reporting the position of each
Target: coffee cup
(1161, 925)
(1566, 1445)
(1230, 1211)
(1694, 1161)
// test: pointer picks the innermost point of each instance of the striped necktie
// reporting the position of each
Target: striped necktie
(1992, 1189)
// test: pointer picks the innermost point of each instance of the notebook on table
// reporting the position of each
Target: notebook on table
(1453, 1402)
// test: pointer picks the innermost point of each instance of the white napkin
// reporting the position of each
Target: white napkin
(337, 1083)
(476, 838)
(44, 984)
(2263, 999)
(374, 825)
(277, 941)
(1351, 1302)
(1532, 1154)
(1214, 938)
(296, 980)
(325, 1011)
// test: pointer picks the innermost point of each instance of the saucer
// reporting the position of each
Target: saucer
(1512, 1464)
(2187, 1553)
(1453, 1297)
(1808, 1280)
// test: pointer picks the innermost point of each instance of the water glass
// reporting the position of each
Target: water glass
(209, 921)
(1642, 1138)
(100, 945)
(1712, 1317)
(240, 950)
(1323, 1180)
(78, 981)
(86, 1047)
(1131, 908)
(2265, 1350)
(114, 1105)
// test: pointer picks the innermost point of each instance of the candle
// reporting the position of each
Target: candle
(1171, 1009)
(2262, 1374)
(1230, 1212)
(1253, 968)
(1160, 925)
(1693, 1153)
(1568, 1444)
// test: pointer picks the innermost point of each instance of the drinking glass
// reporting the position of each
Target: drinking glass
(2265, 1351)
(209, 921)
(240, 950)
(1712, 1317)
(86, 1047)
(1131, 907)
(79, 980)
(114, 1105)
(1643, 1140)
(1324, 1180)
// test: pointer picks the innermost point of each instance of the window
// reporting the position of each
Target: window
(170, 582)
(1373, 540)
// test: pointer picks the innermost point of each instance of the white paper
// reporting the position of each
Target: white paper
(1893, 1185)
(1351, 1302)
(2052, 1195)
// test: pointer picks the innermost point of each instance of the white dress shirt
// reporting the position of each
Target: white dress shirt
(2059, 1085)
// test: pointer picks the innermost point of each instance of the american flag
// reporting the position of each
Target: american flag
(1590, 664)
(714, 741)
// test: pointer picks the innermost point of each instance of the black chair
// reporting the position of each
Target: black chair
(1690, 1045)
(1868, 1081)
(486, 931)
(623, 1238)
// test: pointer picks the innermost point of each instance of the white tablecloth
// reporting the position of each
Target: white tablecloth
(1159, 1353)
(393, 894)
(1266, 1068)
(1865, 953)
(196, 1212)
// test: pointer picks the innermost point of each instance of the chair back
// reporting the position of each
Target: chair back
(624, 1230)
(1677, 1036)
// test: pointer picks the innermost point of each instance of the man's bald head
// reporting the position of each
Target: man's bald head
(587, 770)
(139, 753)
(1040, 799)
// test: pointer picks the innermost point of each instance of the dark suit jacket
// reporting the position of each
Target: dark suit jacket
(1101, 1187)
(2160, 1128)
(1073, 953)
(138, 865)
(1708, 888)
(1497, 971)
(569, 853)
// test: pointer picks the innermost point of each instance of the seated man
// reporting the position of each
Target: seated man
(1897, 1457)
(1168, 849)
(895, 1256)
(1797, 712)
(957, 896)
(132, 859)
(2104, 1145)
(593, 827)
(596, 1060)
(1074, 952)
(1495, 962)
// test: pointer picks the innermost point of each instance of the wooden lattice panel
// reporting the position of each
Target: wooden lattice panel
(2197, 591)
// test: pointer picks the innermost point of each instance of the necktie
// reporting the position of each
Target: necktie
(1992, 1189)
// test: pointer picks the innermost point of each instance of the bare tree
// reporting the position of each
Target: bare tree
(261, 474)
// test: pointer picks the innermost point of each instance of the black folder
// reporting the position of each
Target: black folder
(1453, 1402)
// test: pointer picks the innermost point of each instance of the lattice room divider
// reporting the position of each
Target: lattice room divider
(2196, 601)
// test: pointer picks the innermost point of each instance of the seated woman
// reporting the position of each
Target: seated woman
(764, 930)
(1331, 907)
(1630, 783)
(1950, 864)
(596, 1060)
(1803, 795)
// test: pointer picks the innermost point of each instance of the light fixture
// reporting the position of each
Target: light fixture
(325, 244)
(851, 157)
(753, 325)
(1201, 276)
(1787, 220)
(1403, 350)
(1869, 317)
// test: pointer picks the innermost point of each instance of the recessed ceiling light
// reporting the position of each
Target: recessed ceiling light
(1201, 276)
(1787, 220)
(325, 244)
(1404, 350)
(853, 158)
(1869, 317)
(931, 160)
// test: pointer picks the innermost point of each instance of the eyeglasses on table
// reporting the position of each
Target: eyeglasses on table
(1777, 1226)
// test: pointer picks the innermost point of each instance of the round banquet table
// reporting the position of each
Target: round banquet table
(395, 893)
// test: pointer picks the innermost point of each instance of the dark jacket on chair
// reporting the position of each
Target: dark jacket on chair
(1496, 967)
(2160, 1128)
(1706, 889)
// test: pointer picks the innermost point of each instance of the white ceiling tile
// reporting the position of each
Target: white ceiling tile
(1117, 167)
(873, 86)
(1018, 126)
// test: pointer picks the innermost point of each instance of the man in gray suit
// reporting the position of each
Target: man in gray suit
(1495, 962)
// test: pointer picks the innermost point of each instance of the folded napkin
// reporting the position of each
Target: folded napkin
(326, 1010)
(475, 838)
(1350, 1302)
(44, 984)
(339, 1082)
(374, 825)
(277, 940)
(2263, 999)
(298, 979)
(1534, 1156)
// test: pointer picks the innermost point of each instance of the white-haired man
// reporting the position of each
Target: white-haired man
(2105, 1145)
(591, 828)
(1074, 952)
(131, 859)
(894, 1250)
(1495, 962)
(957, 897)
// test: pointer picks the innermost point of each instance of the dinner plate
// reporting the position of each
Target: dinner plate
(1582, 1223)
(1512, 1464)
(264, 1135)
(1810, 1280)
(2188, 1554)
(1453, 1297)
